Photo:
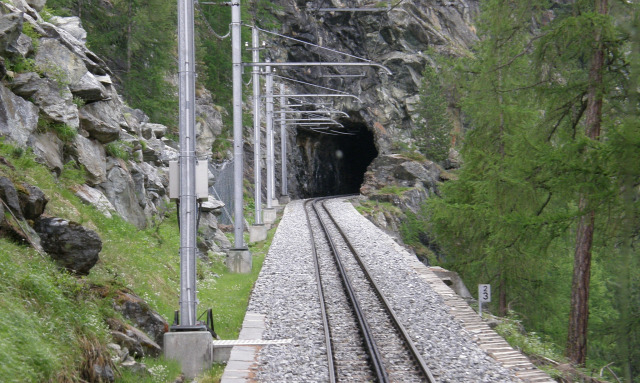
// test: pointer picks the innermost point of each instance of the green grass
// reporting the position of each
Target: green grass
(20, 64)
(48, 318)
(530, 343)
(371, 207)
(393, 189)
(42, 326)
(119, 149)
(160, 369)
(64, 132)
(228, 295)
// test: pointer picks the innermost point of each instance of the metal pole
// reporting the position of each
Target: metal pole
(269, 142)
(188, 207)
(236, 58)
(283, 144)
(256, 127)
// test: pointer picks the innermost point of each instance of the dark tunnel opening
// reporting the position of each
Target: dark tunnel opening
(334, 163)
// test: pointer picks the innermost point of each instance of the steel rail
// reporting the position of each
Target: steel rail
(405, 335)
(367, 334)
(305, 102)
(323, 308)
(321, 123)
(310, 119)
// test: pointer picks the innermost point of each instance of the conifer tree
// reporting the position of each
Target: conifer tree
(579, 314)
(540, 94)
(137, 39)
(478, 219)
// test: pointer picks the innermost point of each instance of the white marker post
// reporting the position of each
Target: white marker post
(484, 295)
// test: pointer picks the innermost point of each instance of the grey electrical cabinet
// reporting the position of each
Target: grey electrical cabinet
(202, 180)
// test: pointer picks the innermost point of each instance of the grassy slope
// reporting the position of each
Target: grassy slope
(52, 323)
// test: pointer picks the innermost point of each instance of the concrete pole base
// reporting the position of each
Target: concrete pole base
(239, 261)
(275, 202)
(284, 199)
(193, 349)
(269, 215)
(257, 233)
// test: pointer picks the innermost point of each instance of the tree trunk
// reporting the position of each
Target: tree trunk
(502, 296)
(129, 37)
(579, 314)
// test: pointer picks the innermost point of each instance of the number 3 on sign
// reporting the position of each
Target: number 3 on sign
(484, 293)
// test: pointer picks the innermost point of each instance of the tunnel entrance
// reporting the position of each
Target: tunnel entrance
(334, 163)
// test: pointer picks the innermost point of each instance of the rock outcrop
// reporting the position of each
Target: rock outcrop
(401, 39)
(70, 244)
(60, 101)
(73, 246)
(140, 314)
(32, 201)
(402, 181)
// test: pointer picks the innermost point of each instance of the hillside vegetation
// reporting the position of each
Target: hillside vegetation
(53, 325)
(545, 206)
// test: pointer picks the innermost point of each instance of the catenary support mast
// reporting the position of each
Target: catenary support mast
(269, 138)
(236, 58)
(256, 126)
(283, 144)
(188, 207)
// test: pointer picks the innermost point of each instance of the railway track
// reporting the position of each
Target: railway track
(365, 341)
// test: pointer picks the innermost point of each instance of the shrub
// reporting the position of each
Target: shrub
(119, 149)
(28, 30)
(22, 65)
(64, 132)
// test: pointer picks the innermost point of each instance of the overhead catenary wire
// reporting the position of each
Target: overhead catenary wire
(313, 130)
(310, 44)
(352, 9)
(310, 84)
(209, 27)
(305, 102)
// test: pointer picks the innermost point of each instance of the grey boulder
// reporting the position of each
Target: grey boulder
(73, 246)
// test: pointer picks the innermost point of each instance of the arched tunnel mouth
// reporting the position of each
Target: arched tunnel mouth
(334, 160)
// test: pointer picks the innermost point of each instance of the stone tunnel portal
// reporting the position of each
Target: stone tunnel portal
(334, 164)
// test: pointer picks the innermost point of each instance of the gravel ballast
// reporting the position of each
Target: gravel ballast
(286, 294)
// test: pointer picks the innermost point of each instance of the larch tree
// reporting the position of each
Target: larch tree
(535, 171)
(479, 218)
(579, 314)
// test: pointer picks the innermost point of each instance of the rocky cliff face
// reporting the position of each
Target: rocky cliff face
(400, 38)
(57, 98)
